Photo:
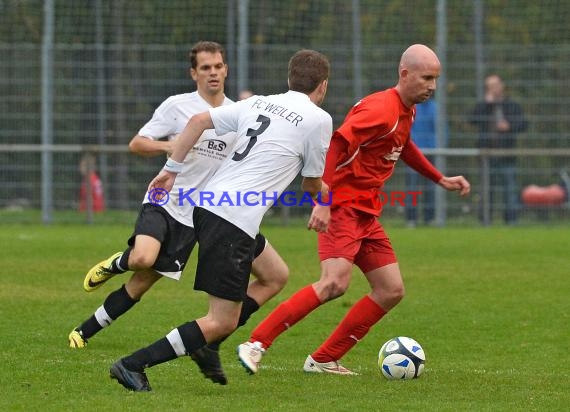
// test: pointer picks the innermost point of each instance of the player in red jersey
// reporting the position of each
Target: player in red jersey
(361, 158)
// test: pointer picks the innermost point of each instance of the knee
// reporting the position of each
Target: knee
(330, 289)
(281, 277)
(397, 294)
(274, 279)
(226, 327)
(390, 297)
(140, 283)
(139, 261)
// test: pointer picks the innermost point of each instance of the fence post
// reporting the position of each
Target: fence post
(243, 45)
(357, 50)
(441, 109)
(47, 111)
(485, 190)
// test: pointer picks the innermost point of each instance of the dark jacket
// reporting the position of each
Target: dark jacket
(483, 118)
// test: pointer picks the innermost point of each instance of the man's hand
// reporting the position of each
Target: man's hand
(503, 126)
(320, 217)
(164, 180)
(455, 183)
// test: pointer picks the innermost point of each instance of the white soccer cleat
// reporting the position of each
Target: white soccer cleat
(328, 367)
(250, 354)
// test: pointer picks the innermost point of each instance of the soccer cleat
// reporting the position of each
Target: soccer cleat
(250, 354)
(100, 273)
(76, 339)
(327, 367)
(133, 381)
(209, 362)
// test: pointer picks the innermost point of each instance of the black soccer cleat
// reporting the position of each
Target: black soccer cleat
(133, 381)
(208, 361)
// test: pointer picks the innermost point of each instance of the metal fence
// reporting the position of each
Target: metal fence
(91, 73)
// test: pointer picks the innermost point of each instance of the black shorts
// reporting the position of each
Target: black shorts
(177, 240)
(260, 243)
(225, 255)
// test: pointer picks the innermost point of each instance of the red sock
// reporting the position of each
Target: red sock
(286, 315)
(355, 325)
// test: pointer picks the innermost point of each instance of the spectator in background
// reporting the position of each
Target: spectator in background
(423, 135)
(498, 120)
(90, 186)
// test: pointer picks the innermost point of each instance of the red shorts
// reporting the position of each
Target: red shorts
(358, 237)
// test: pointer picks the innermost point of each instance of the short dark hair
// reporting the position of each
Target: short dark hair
(307, 69)
(205, 46)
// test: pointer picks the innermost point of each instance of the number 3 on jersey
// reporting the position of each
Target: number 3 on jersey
(264, 120)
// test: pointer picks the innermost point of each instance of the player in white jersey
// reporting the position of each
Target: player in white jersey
(164, 237)
(278, 137)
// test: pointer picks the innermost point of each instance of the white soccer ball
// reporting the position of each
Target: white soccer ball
(401, 358)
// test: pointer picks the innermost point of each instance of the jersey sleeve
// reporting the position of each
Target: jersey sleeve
(226, 118)
(162, 124)
(365, 122)
(316, 146)
(413, 156)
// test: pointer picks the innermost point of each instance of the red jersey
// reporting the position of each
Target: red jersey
(377, 129)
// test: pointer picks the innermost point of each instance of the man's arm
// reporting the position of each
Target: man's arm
(455, 183)
(182, 145)
(321, 213)
(320, 217)
(413, 156)
(190, 135)
(143, 146)
(312, 185)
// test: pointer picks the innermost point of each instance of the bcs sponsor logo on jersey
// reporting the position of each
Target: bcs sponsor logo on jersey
(394, 155)
(214, 144)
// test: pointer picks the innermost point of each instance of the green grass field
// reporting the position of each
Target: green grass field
(490, 306)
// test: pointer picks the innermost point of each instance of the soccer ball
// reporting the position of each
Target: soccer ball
(401, 358)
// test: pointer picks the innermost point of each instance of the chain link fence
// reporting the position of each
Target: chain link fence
(89, 74)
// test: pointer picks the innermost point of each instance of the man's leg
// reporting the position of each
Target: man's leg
(105, 270)
(116, 304)
(378, 262)
(387, 291)
(510, 195)
(271, 274)
(224, 266)
(138, 257)
(123, 299)
(335, 278)
(220, 321)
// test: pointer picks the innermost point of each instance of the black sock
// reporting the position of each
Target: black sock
(159, 352)
(117, 303)
(123, 262)
(248, 308)
(192, 336)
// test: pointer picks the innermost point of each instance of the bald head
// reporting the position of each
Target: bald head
(418, 72)
(417, 57)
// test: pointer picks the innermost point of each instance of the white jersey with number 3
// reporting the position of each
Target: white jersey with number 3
(168, 120)
(278, 137)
